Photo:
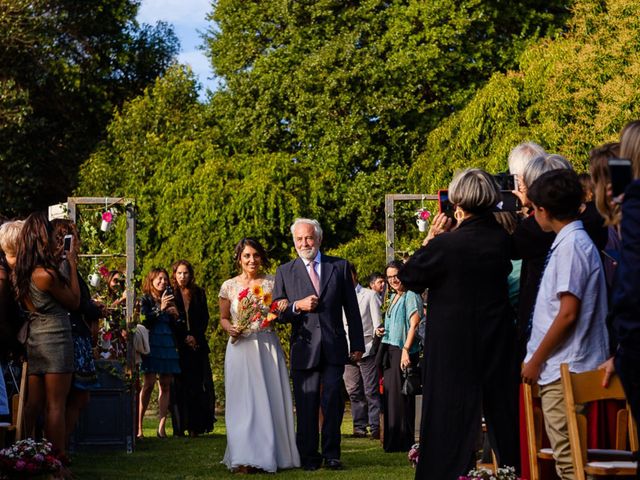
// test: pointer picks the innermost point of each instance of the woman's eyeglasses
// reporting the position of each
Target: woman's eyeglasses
(391, 277)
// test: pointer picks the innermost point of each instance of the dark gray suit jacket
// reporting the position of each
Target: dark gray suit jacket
(321, 331)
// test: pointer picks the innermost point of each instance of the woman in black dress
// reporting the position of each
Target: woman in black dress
(195, 395)
(469, 336)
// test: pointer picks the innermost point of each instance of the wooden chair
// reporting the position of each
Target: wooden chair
(582, 388)
(534, 426)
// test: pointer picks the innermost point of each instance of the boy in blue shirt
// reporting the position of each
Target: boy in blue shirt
(568, 324)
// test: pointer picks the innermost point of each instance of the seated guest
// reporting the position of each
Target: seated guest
(469, 333)
(361, 378)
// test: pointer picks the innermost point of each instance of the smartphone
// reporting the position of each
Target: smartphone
(66, 245)
(509, 203)
(444, 205)
(507, 182)
(168, 290)
(620, 173)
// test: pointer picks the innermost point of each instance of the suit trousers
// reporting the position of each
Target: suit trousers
(310, 397)
(362, 384)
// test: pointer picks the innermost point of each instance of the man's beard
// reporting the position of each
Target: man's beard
(308, 254)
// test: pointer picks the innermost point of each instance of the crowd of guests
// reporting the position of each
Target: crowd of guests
(49, 318)
(491, 299)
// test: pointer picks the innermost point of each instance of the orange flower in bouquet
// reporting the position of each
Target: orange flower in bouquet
(256, 311)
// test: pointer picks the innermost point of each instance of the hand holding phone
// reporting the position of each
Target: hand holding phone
(620, 174)
(66, 245)
(444, 205)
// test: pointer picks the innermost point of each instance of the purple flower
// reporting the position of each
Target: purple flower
(20, 464)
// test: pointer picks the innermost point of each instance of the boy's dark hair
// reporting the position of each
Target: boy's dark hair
(559, 192)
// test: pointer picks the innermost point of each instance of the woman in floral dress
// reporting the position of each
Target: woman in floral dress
(258, 405)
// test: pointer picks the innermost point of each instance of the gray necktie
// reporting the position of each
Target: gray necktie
(313, 275)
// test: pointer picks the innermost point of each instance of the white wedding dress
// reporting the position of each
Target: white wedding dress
(258, 405)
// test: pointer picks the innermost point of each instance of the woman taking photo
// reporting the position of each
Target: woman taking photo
(84, 327)
(401, 347)
(160, 316)
(469, 336)
(48, 297)
(259, 410)
(195, 396)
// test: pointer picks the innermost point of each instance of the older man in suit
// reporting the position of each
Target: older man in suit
(318, 288)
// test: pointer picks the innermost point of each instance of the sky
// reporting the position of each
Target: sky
(188, 18)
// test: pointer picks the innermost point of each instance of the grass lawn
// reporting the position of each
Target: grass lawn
(188, 458)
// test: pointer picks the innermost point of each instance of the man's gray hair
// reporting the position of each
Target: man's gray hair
(544, 164)
(521, 155)
(474, 190)
(310, 221)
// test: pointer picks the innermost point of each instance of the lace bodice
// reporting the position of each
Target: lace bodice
(231, 290)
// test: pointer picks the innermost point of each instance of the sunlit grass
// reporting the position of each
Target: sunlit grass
(190, 458)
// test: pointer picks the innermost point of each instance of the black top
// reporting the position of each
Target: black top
(196, 320)
(626, 289)
(86, 314)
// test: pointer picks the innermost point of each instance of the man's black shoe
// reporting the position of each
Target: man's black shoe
(333, 464)
(310, 467)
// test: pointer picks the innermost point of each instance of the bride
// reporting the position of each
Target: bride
(259, 410)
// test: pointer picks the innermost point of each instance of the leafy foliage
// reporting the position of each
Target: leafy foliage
(569, 95)
(64, 68)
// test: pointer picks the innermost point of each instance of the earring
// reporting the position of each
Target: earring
(458, 215)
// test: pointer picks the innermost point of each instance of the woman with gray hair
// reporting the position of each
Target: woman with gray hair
(531, 244)
(469, 333)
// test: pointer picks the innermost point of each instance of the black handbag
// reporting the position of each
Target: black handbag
(411, 381)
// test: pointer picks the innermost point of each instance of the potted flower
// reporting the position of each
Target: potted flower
(503, 473)
(422, 217)
(29, 459)
(108, 218)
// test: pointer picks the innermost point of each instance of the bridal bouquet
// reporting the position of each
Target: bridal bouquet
(27, 458)
(256, 311)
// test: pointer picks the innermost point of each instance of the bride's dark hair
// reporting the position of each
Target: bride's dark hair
(256, 245)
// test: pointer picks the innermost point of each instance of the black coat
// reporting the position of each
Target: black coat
(321, 331)
(195, 322)
(626, 288)
(468, 346)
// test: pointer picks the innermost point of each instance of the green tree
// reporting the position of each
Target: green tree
(64, 67)
(351, 89)
(569, 94)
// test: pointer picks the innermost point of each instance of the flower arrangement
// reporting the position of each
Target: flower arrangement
(256, 310)
(108, 216)
(414, 455)
(27, 458)
(503, 473)
(423, 214)
(422, 217)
